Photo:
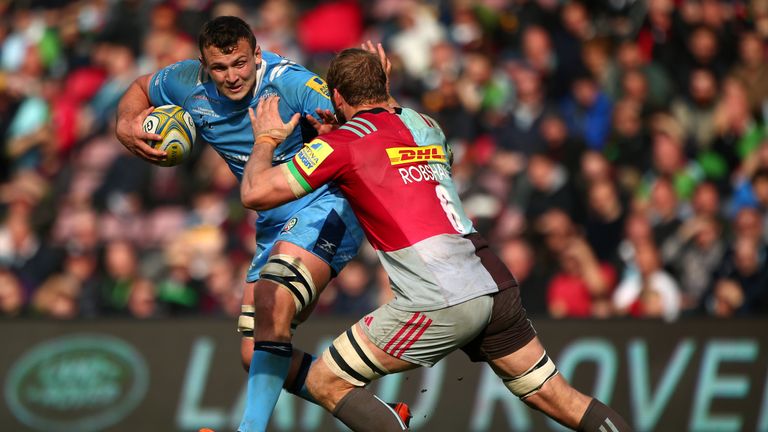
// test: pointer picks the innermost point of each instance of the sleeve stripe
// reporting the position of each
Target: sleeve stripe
(354, 122)
(370, 125)
(282, 65)
(348, 127)
(299, 186)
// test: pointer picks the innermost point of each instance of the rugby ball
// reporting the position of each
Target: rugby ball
(176, 127)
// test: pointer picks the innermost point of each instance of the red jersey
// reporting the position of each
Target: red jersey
(393, 168)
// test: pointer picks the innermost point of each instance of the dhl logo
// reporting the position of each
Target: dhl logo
(405, 155)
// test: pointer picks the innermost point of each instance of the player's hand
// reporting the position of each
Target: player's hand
(378, 49)
(131, 134)
(266, 120)
(329, 121)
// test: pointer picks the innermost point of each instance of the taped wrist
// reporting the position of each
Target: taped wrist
(245, 322)
(277, 135)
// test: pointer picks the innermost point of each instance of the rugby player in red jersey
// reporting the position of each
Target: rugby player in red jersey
(451, 291)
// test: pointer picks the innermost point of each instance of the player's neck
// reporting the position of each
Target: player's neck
(354, 110)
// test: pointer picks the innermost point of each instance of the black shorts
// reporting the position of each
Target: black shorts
(509, 329)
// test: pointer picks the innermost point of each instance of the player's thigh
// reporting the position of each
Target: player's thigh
(390, 340)
(509, 340)
(519, 361)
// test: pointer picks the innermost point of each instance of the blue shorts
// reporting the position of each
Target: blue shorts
(326, 227)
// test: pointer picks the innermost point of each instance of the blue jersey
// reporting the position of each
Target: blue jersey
(225, 124)
(321, 222)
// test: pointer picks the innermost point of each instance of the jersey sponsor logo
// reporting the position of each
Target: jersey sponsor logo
(406, 155)
(267, 92)
(368, 320)
(312, 155)
(317, 84)
(420, 173)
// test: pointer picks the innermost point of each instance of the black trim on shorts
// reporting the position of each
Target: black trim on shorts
(493, 265)
(508, 331)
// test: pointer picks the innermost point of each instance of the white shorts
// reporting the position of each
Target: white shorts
(424, 338)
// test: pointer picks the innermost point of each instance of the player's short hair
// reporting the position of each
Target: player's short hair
(224, 33)
(358, 76)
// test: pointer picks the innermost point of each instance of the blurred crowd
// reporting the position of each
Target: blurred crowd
(613, 151)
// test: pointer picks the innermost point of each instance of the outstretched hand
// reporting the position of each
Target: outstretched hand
(329, 121)
(266, 121)
(378, 49)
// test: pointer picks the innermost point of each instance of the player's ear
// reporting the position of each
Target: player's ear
(337, 98)
(257, 54)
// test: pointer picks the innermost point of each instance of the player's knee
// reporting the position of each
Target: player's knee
(325, 386)
(533, 380)
(321, 384)
(291, 274)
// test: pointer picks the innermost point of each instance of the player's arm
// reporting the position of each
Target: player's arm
(133, 108)
(264, 186)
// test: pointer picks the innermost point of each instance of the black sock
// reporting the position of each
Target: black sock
(602, 418)
(362, 411)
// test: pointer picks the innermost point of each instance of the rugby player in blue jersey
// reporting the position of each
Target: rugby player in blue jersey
(300, 245)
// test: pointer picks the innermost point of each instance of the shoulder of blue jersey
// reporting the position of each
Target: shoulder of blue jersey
(185, 72)
(292, 77)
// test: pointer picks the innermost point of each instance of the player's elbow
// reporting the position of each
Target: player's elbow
(254, 199)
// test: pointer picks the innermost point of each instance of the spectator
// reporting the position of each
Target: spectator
(604, 224)
(752, 70)
(669, 159)
(519, 131)
(646, 290)
(520, 259)
(545, 186)
(745, 267)
(559, 145)
(58, 297)
(12, 297)
(738, 135)
(695, 110)
(587, 112)
(694, 253)
(627, 147)
(630, 58)
(664, 211)
(142, 300)
(583, 284)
